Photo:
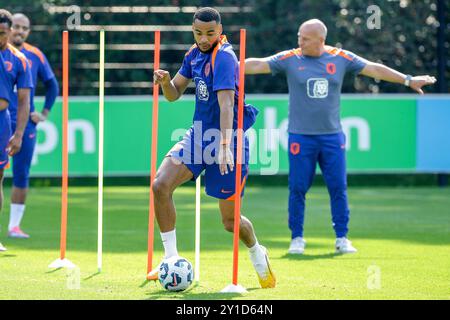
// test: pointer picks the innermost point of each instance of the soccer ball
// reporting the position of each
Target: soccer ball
(176, 274)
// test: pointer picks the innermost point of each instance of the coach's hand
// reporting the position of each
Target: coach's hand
(418, 82)
(14, 144)
(225, 159)
(161, 77)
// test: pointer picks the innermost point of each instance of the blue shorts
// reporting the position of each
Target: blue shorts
(198, 155)
(5, 135)
(22, 160)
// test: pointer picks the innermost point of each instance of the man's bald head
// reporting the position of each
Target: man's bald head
(20, 30)
(311, 37)
(21, 16)
(314, 26)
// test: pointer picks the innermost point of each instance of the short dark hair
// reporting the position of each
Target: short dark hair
(6, 17)
(207, 14)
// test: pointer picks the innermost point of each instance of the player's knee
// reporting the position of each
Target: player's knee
(160, 187)
(20, 181)
(228, 224)
(298, 189)
(337, 189)
(1, 174)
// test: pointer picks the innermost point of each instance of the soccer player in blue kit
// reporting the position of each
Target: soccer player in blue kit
(40, 69)
(315, 73)
(14, 73)
(4, 123)
(209, 145)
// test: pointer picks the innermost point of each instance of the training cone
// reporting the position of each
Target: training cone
(61, 263)
(234, 288)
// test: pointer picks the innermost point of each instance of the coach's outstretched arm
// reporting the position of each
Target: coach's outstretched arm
(172, 89)
(382, 72)
(257, 66)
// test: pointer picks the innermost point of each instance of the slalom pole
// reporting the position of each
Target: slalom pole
(62, 261)
(234, 287)
(154, 154)
(100, 149)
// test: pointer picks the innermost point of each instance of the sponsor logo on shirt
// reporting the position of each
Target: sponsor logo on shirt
(317, 88)
(207, 69)
(202, 91)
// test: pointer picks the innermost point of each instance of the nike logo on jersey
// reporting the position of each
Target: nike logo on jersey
(225, 191)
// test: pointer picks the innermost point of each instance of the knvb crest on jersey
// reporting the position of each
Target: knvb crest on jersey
(8, 66)
(317, 88)
(202, 91)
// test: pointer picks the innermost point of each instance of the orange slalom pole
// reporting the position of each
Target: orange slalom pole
(65, 162)
(154, 154)
(240, 136)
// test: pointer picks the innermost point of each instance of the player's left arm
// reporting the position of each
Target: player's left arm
(382, 72)
(226, 104)
(47, 76)
(24, 84)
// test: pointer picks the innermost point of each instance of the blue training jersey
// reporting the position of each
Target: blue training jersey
(315, 87)
(40, 69)
(212, 72)
(4, 94)
(18, 73)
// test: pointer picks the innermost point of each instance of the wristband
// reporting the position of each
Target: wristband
(407, 80)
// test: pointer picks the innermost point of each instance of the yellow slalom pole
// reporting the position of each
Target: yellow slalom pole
(197, 229)
(100, 148)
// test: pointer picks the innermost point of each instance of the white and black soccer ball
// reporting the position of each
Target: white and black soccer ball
(176, 274)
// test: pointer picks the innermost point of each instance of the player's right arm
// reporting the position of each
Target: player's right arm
(257, 66)
(174, 88)
(23, 109)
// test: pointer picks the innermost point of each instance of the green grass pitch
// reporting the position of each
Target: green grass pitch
(402, 234)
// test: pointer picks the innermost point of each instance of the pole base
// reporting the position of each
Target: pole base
(234, 288)
(61, 263)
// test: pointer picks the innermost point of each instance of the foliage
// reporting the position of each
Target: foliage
(406, 41)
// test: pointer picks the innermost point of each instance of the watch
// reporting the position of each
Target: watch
(407, 80)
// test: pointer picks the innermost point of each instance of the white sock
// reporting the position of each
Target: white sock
(169, 240)
(255, 249)
(15, 215)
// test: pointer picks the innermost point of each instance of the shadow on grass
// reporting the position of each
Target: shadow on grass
(161, 294)
(54, 270)
(309, 257)
(92, 275)
(8, 255)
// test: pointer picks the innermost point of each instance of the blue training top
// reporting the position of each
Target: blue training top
(18, 73)
(211, 72)
(4, 94)
(315, 87)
